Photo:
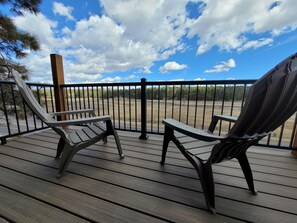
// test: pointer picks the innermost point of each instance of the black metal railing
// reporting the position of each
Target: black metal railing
(193, 102)
(140, 106)
(122, 101)
(16, 117)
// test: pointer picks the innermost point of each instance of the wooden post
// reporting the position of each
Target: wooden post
(58, 80)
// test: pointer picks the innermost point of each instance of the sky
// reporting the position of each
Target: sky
(125, 40)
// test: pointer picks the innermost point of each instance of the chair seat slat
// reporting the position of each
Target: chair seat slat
(89, 132)
(74, 138)
(200, 150)
(95, 129)
(81, 134)
(199, 144)
(100, 126)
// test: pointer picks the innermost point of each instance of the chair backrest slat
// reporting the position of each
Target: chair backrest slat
(286, 105)
(272, 96)
(271, 101)
(31, 101)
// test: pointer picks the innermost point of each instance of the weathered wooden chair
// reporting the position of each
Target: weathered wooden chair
(93, 128)
(270, 102)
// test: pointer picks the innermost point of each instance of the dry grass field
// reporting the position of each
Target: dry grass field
(127, 114)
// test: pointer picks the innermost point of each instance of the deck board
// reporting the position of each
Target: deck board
(100, 187)
(21, 208)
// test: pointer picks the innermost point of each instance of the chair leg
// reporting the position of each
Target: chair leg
(60, 148)
(205, 174)
(245, 166)
(67, 155)
(116, 137)
(168, 136)
(111, 131)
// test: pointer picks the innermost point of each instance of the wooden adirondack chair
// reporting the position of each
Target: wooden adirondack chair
(270, 102)
(93, 128)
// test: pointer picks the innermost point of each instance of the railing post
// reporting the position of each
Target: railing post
(58, 80)
(143, 109)
(294, 152)
(3, 141)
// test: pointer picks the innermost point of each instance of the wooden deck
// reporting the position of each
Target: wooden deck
(99, 187)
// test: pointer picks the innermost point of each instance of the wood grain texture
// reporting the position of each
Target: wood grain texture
(100, 187)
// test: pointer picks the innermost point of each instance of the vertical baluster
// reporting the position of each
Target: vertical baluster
(112, 99)
(124, 106)
(93, 99)
(188, 105)
(98, 101)
(130, 107)
(3, 141)
(136, 124)
(165, 109)
(102, 93)
(152, 108)
(172, 114)
(119, 113)
(204, 106)
(196, 104)
(180, 102)
(52, 99)
(159, 98)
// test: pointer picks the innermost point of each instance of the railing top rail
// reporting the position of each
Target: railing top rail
(124, 84)
(201, 82)
(43, 85)
(28, 83)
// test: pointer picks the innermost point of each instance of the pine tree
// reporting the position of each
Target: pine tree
(14, 42)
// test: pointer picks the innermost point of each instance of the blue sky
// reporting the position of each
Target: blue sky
(121, 41)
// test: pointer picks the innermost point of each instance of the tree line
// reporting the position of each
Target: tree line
(209, 93)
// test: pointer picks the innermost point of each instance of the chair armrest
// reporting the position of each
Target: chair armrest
(190, 131)
(73, 112)
(216, 118)
(79, 121)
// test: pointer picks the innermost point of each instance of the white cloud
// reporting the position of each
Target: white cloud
(255, 44)
(226, 24)
(178, 79)
(119, 40)
(40, 26)
(222, 67)
(66, 30)
(119, 52)
(84, 78)
(160, 23)
(110, 80)
(172, 65)
(61, 9)
(130, 77)
(134, 34)
(199, 79)
(144, 70)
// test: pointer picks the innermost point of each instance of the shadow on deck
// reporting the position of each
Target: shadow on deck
(99, 187)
